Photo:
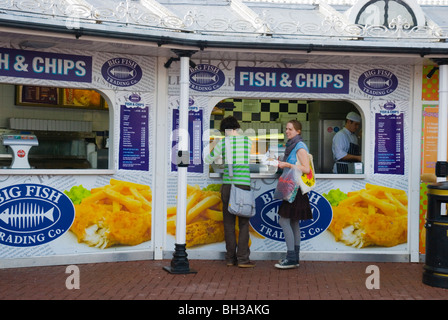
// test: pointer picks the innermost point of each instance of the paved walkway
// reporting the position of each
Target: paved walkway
(215, 281)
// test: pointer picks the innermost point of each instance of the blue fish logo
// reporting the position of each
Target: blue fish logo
(265, 222)
(206, 77)
(33, 214)
(378, 82)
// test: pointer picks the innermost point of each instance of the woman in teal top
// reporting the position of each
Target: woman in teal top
(299, 209)
(237, 252)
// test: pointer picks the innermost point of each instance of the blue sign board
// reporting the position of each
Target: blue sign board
(45, 65)
(33, 214)
(292, 80)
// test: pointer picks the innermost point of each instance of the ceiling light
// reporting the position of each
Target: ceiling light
(36, 44)
(293, 61)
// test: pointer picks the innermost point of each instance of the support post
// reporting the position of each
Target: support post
(180, 263)
(442, 165)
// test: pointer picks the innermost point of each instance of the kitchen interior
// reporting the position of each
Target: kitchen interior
(320, 121)
(59, 128)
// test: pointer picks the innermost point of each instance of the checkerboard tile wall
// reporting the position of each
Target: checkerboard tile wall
(269, 111)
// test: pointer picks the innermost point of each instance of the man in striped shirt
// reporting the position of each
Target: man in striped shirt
(237, 253)
(240, 147)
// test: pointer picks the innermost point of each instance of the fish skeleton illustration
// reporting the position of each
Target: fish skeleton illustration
(378, 82)
(122, 72)
(204, 78)
(26, 215)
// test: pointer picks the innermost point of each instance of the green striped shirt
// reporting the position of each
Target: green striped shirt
(241, 146)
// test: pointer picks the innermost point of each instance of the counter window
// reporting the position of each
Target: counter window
(53, 128)
(264, 121)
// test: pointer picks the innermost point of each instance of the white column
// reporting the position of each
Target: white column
(181, 223)
(443, 115)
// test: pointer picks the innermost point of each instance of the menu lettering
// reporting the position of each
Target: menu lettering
(389, 145)
(292, 80)
(134, 153)
(195, 140)
(45, 65)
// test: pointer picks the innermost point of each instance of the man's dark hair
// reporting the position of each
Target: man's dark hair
(229, 122)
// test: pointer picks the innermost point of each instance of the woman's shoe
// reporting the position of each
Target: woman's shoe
(286, 264)
(297, 264)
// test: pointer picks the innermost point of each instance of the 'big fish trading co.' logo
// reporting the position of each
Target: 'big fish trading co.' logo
(389, 108)
(121, 72)
(378, 82)
(32, 214)
(265, 222)
(205, 77)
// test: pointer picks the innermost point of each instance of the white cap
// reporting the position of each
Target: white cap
(353, 116)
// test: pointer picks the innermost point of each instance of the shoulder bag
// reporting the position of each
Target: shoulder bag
(241, 202)
(307, 181)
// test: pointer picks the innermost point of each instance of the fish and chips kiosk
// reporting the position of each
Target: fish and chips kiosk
(105, 119)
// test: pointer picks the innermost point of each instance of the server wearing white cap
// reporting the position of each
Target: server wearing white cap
(345, 144)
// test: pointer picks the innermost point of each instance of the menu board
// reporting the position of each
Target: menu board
(429, 138)
(195, 140)
(134, 153)
(389, 144)
(38, 95)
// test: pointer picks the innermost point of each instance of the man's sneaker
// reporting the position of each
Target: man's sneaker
(286, 264)
(231, 263)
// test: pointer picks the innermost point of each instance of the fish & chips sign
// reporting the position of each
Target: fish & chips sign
(33, 214)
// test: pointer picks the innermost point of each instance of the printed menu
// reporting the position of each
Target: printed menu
(195, 140)
(134, 151)
(389, 143)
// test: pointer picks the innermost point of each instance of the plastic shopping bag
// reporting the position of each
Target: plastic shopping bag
(288, 185)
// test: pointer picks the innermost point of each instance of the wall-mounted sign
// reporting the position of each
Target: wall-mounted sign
(121, 72)
(45, 65)
(32, 214)
(378, 82)
(195, 132)
(292, 80)
(205, 77)
(134, 152)
(389, 142)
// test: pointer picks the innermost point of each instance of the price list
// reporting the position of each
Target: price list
(195, 140)
(389, 144)
(134, 153)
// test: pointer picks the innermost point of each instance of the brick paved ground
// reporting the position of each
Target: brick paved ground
(147, 280)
